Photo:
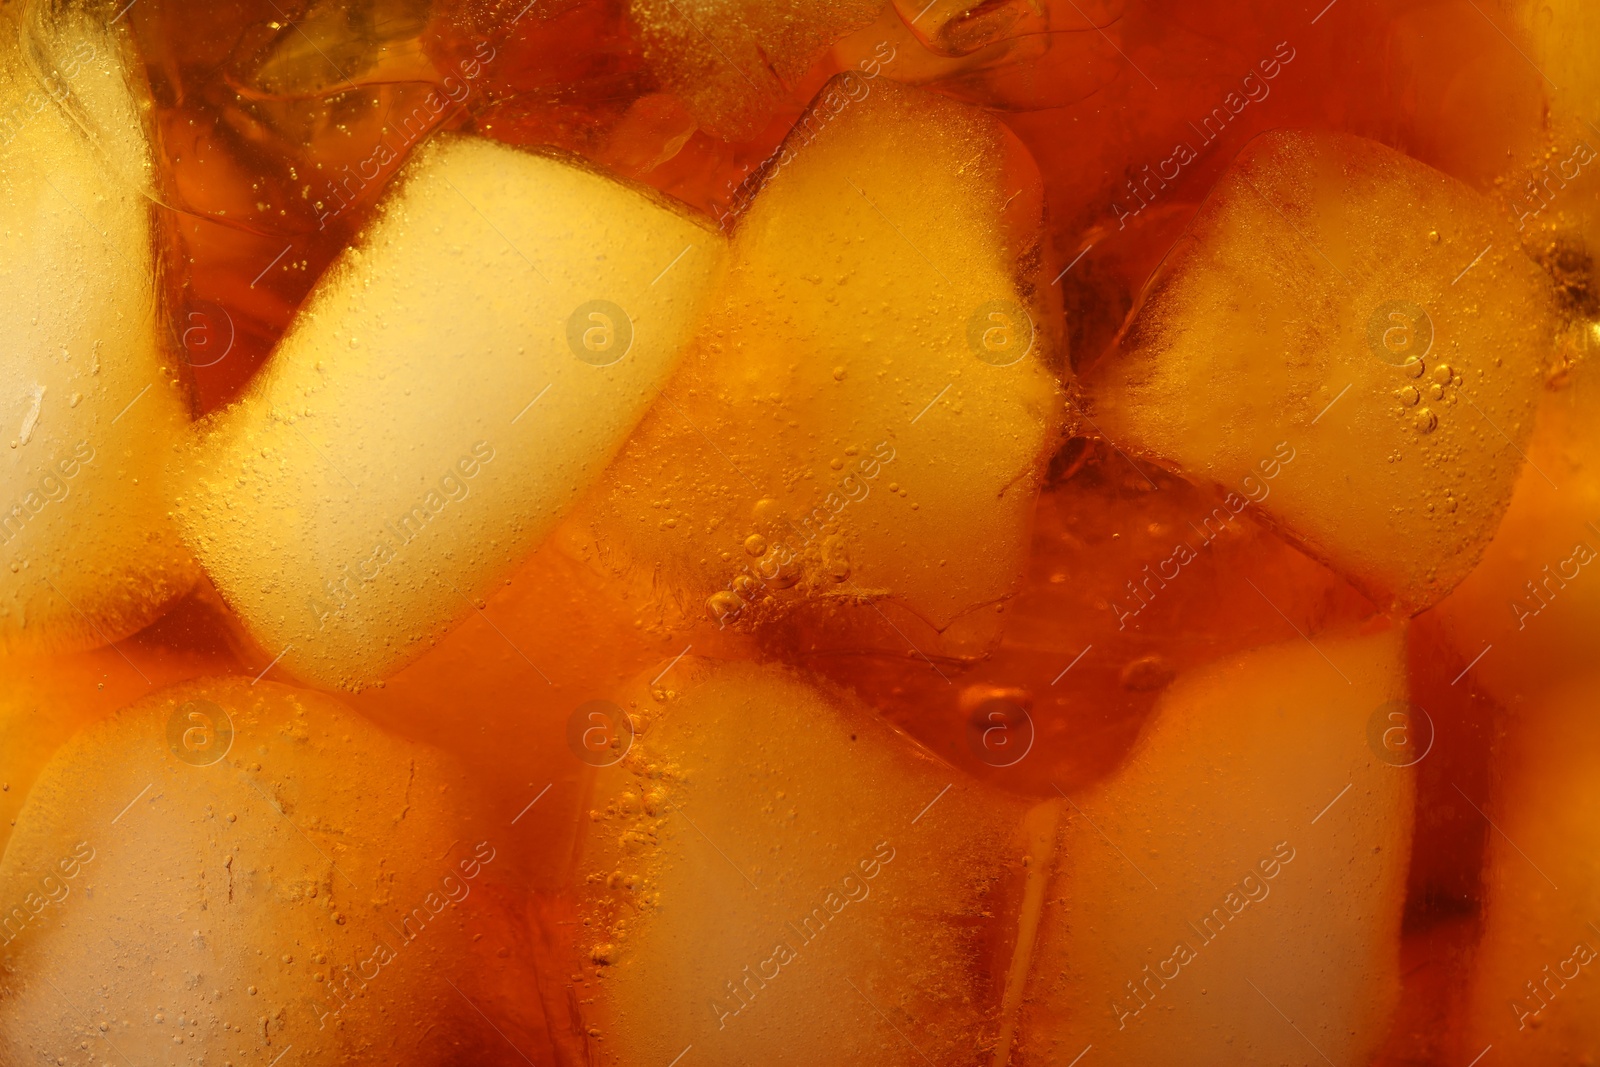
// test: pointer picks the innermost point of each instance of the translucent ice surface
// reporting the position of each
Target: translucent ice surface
(775, 876)
(869, 407)
(1374, 314)
(1235, 891)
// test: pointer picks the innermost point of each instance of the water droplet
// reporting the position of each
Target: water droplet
(723, 605)
(838, 374)
(1413, 369)
(1443, 373)
(1433, 237)
(1409, 395)
(1435, 391)
(756, 545)
(836, 464)
(1426, 420)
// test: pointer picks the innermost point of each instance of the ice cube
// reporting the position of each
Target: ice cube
(1371, 312)
(1527, 616)
(90, 402)
(1532, 996)
(868, 409)
(238, 869)
(1236, 890)
(735, 61)
(772, 875)
(455, 382)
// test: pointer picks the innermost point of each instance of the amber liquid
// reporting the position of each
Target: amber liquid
(278, 130)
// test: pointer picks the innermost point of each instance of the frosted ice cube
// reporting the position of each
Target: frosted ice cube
(90, 402)
(868, 409)
(1246, 868)
(240, 868)
(1373, 313)
(775, 876)
(454, 383)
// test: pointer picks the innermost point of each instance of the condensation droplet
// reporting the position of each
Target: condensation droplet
(1409, 395)
(756, 545)
(1426, 420)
